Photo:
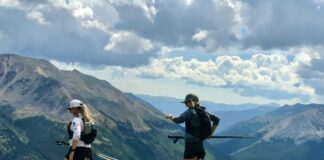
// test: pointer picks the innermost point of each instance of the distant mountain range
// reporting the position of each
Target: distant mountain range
(173, 105)
(229, 114)
(289, 133)
(229, 118)
(34, 94)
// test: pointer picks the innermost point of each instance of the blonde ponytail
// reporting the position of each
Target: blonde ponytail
(86, 114)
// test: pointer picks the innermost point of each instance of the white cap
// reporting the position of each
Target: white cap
(75, 103)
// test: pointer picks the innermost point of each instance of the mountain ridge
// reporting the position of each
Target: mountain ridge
(294, 129)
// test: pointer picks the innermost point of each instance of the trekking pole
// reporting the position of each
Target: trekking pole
(105, 157)
(176, 138)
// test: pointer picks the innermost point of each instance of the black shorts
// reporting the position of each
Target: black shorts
(193, 149)
(81, 153)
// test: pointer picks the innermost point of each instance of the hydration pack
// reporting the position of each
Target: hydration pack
(204, 130)
(205, 127)
(88, 134)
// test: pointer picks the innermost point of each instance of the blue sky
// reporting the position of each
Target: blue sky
(226, 51)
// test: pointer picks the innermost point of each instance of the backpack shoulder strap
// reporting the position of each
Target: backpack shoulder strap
(200, 109)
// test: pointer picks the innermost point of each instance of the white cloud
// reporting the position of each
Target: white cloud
(83, 13)
(311, 70)
(200, 35)
(131, 31)
(189, 2)
(271, 76)
(128, 82)
(128, 42)
(37, 16)
(149, 10)
(9, 3)
(95, 24)
(214, 26)
(147, 6)
(262, 78)
(299, 25)
(161, 26)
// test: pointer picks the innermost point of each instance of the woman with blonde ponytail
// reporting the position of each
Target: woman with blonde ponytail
(79, 150)
(86, 114)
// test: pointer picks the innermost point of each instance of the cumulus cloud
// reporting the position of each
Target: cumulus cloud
(128, 42)
(108, 32)
(75, 31)
(276, 76)
(37, 16)
(282, 24)
(266, 24)
(92, 14)
(272, 76)
(101, 30)
(200, 35)
(9, 3)
(147, 7)
(176, 22)
(312, 70)
(83, 13)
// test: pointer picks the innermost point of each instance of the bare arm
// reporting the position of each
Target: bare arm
(215, 121)
(214, 127)
(76, 126)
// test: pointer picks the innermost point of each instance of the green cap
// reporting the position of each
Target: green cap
(191, 97)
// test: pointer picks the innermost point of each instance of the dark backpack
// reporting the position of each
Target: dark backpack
(89, 133)
(205, 127)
